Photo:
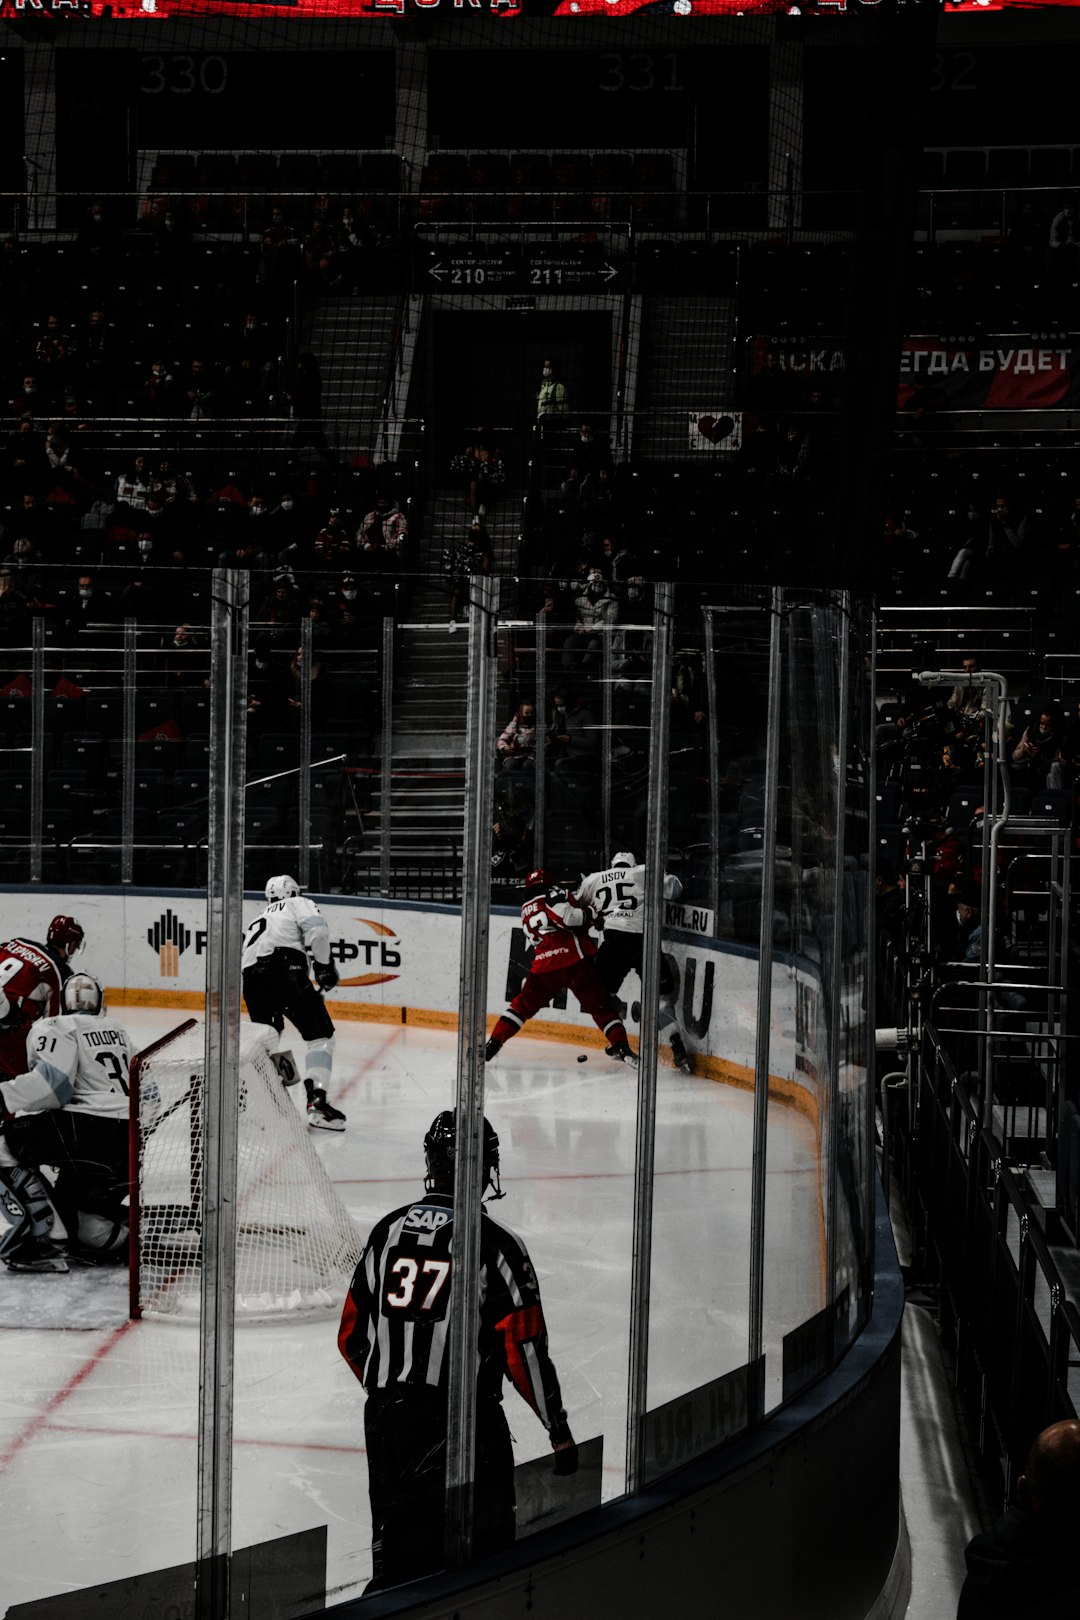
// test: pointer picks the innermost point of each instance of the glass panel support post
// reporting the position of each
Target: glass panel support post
(714, 768)
(835, 987)
(652, 943)
(220, 1099)
(764, 1001)
(469, 1100)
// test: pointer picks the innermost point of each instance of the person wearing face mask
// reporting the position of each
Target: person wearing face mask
(87, 606)
(595, 609)
(552, 402)
(284, 524)
(345, 613)
(146, 546)
(516, 747)
(31, 399)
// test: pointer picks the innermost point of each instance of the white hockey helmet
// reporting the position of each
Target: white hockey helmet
(280, 888)
(81, 993)
(624, 858)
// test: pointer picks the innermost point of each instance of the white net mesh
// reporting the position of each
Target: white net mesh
(296, 1246)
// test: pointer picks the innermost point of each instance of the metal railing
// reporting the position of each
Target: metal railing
(1005, 1310)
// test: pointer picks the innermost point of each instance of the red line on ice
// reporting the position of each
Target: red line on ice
(36, 1424)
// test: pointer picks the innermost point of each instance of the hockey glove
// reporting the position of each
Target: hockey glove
(326, 975)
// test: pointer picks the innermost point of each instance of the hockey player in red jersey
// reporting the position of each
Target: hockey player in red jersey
(557, 929)
(31, 978)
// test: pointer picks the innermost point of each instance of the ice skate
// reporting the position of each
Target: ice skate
(680, 1056)
(323, 1116)
(42, 1255)
(622, 1051)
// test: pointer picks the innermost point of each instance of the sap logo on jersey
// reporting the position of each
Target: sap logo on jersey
(381, 952)
(423, 1219)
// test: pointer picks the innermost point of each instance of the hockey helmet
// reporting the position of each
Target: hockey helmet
(440, 1152)
(623, 858)
(81, 993)
(65, 935)
(281, 888)
(538, 878)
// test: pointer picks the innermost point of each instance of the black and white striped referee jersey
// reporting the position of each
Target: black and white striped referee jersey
(395, 1327)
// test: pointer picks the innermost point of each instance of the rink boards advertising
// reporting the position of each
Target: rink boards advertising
(399, 963)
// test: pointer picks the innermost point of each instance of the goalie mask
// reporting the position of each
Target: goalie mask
(440, 1153)
(281, 888)
(82, 993)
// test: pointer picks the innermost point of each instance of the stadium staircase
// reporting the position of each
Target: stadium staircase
(353, 340)
(425, 815)
(687, 359)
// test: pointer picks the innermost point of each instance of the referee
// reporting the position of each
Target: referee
(394, 1335)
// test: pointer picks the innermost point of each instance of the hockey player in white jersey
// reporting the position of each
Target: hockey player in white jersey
(277, 985)
(70, 1110)
(617, 896)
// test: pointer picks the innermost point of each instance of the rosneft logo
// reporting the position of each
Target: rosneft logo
(381, 952)
(170, 939)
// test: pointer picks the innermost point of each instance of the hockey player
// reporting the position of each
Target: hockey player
(394, 1333)
(72, 1100)
(276, 985)
(617, 896)
(557, 928)
(31, 976)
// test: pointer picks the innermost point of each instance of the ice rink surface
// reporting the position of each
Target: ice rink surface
(98, 1415)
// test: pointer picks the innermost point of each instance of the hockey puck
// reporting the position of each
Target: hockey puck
(583, 1057)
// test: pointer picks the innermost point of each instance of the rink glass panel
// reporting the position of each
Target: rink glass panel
(558, 810)
(123, 726)
(699, 1311)
(852, 1184)
(590, 806)
(796, 1332)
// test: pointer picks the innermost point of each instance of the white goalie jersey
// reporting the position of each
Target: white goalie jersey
(293, 924)
(77, 1061)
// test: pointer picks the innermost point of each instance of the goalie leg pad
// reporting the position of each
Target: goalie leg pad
(26, 1215)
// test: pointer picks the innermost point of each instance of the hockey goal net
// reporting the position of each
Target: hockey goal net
(296, 1246)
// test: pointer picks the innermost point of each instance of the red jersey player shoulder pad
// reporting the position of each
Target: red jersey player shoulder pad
(553, 908)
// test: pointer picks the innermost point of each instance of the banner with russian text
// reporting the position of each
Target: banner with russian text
(998, 374)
